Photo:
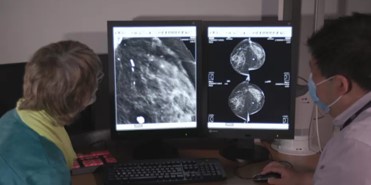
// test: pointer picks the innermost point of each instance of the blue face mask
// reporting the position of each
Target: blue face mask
(312, 87)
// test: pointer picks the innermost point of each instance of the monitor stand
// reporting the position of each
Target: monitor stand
(245, 151)
(154, 149)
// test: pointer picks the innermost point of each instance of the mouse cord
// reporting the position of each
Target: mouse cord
(237, 174)
(236, 169)
(286, 164)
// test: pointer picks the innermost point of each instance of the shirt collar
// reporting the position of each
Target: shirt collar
(341, 118)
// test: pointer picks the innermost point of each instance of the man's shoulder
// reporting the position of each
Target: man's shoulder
(360, 129)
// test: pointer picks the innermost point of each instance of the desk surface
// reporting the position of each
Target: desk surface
(235, 171)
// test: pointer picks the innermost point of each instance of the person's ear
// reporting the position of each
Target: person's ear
(343, 84)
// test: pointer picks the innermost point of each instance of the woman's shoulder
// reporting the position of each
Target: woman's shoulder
(26, 155)
(12, 127)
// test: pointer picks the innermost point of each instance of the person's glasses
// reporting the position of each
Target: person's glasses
(100, 77)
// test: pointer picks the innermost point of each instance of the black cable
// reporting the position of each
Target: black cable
(286, 163)
(235, 172)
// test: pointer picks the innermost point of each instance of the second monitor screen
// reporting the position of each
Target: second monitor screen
(249, 71)
(155, 77)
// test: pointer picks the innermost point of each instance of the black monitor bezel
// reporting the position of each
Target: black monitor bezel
(161, 133)
(252, 133)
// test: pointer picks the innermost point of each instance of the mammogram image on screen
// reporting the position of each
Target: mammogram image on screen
(246, 56)
(247, 79)
(246, 98)
(155, 81)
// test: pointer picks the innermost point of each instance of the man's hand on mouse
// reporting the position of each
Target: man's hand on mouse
(288, 175)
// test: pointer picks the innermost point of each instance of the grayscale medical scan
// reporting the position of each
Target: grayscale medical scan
(155, 80)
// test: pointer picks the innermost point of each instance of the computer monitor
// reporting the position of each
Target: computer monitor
(251, 72)
(11, 81)
(154, 82)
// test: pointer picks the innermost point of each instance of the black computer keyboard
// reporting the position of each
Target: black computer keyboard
(164, 171)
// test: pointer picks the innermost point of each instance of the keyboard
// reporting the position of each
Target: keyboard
(164, 171)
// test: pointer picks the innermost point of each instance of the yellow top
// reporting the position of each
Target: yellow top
(42, 123)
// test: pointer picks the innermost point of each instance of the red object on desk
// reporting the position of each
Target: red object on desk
(89, 162)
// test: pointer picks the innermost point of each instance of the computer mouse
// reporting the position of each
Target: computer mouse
(265, 177)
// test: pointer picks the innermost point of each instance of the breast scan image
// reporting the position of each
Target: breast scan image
(155, 80)
(246, 98)
(247, 56)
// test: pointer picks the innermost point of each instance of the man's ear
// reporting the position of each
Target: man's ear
(343, 84)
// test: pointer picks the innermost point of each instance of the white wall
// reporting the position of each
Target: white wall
(27, 25)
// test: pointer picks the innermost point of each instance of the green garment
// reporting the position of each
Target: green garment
(42, 123)
(26, 158)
